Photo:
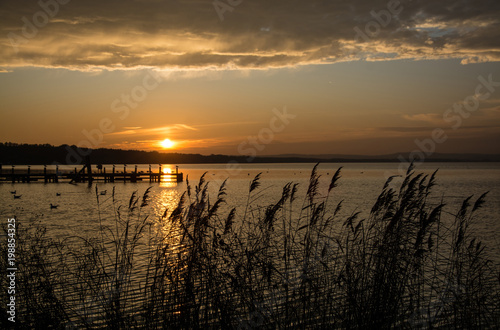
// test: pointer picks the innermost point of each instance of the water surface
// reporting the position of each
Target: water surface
(78, 210)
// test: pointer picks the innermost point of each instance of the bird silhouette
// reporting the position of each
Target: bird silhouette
(53, 206)
(17, 196)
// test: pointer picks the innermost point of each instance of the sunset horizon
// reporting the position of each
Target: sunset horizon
(252, 78)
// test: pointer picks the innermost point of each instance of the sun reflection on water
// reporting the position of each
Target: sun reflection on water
(166, 199)
(166, 229)
(168, 183)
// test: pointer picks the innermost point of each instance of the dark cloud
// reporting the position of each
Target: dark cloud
(258, 34)
(424, 129)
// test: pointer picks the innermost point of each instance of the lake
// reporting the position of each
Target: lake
(359, 187)
(258, 276)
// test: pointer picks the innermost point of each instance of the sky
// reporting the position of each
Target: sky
(243, 77)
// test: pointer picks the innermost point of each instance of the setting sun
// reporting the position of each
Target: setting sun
(167, 143)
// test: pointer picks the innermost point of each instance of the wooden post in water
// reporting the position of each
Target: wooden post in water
(133, 175)
(29, 174)
(150, 174)
(159, 174)
(113, 177)
(45, 173)
(89, 169)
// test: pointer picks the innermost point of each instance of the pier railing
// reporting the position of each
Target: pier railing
(88, 173)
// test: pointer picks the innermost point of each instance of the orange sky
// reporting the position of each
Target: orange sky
(265, 77)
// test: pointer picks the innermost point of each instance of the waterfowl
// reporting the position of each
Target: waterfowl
(53, 206)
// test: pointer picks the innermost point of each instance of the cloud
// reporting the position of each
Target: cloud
(154, 131)
(431, 118)
(259, 34)
(405, 129)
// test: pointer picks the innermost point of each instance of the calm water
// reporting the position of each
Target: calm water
(359, 187)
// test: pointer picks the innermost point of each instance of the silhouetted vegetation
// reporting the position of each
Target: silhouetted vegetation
(45, 154)
(291, 264)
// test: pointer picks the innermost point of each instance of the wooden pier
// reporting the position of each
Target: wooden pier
(88, 175)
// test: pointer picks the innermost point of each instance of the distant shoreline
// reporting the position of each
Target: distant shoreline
(44, 154)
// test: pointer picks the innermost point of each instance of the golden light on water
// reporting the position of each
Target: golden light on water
(167, 180)
(168, 184)
(165, 203)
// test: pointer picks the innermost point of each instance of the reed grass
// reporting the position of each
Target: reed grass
(281, 265)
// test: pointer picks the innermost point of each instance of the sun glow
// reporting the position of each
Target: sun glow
(167, 143)
(167, 170)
